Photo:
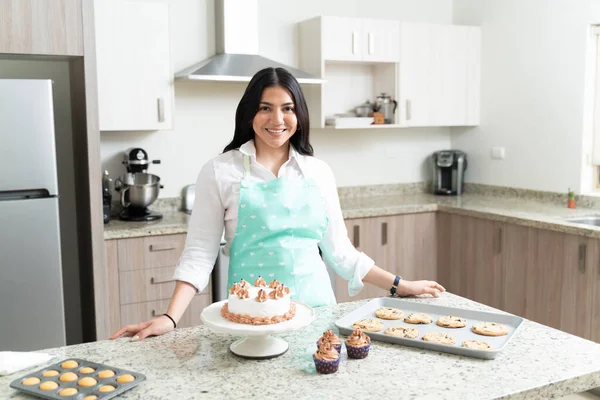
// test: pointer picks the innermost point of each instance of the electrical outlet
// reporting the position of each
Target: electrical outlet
(498, 153)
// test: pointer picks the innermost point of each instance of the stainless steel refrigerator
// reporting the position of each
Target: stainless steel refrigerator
(31, 286)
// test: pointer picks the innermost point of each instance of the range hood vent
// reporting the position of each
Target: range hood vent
(237, 59)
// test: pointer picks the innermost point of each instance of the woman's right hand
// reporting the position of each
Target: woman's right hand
(154, 327)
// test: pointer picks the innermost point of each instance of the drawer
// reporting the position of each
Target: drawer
(149, 284)
(150, 252)
(140, 312)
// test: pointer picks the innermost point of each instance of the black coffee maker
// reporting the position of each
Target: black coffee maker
(448, 171)
(138, 188)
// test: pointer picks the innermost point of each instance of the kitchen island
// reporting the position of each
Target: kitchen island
(195, 363)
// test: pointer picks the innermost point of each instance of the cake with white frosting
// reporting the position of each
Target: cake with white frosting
(259, 304)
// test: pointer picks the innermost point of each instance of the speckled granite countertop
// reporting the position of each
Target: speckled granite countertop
(195, 363)
(528, 212)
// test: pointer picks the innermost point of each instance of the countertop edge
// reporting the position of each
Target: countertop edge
(541, 222)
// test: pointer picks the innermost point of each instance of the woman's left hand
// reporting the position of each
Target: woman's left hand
(413, 288)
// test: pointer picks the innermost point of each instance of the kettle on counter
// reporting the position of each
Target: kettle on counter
(387, 106)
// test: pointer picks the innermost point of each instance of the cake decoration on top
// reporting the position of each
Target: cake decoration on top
(274, 283)
(260, 282)
(244, 284)
(261, 296)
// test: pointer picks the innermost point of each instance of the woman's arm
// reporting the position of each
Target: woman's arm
(182, 295)
(384, 279)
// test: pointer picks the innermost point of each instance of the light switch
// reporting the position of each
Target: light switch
(498, 153)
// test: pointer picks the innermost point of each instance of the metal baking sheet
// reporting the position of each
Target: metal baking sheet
(498, 343)
(82, 391)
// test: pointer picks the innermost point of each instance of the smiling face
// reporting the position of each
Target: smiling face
(275, 121)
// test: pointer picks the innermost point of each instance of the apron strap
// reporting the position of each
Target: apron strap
(246, 165)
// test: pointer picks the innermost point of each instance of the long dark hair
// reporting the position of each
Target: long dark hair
(248, 107)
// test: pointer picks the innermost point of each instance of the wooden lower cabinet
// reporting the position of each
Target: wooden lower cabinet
(404, 245)
(140, 284)
(138, 312)
(595, 335)
(542, 275)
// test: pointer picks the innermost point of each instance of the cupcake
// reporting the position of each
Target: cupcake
(330, 337)
(327, 359)
(358, 344)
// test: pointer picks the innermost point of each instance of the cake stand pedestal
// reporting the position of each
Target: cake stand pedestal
(258, 342)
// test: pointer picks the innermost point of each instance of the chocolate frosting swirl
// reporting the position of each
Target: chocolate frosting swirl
(326, 352)
(260, 282)
(261, 296)
(274, 283)
(358, 338)
(244, 284)
(329, 337)
(277, 293)
(234, 288)
(242, 293)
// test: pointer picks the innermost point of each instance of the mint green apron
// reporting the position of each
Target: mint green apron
(280, 223)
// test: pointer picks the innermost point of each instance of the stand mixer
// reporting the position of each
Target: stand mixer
(138, 189)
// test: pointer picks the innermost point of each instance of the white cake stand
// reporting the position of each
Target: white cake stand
(258, 343)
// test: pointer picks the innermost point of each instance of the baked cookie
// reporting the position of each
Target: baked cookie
(369, 325)
(490, 329)
(418, 318)
(402, 331)
(389, 313)
(439, 337)
(450, 321)
(476, 344)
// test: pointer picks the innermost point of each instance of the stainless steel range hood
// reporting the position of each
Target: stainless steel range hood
(237, 59)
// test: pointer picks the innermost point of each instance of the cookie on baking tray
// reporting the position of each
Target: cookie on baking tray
(490, 329)
(389, 313)
(418, 318)
(450, 321)
(402, 331)
(439, 337)
(369, 325)
(476, 345)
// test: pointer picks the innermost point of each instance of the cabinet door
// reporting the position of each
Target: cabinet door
(342, 39)
(380, 40)
(360, 231)
(439, 75)
(106, 294)
(488, 269)
(595, 334)
(416, 246)
(518, 244)
(383, 235)
(41, 27)
(577, 288)
(135, 78)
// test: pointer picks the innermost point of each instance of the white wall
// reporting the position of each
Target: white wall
(532, 92)
(204, 112)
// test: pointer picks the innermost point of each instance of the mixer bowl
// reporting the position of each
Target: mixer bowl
(138, 189)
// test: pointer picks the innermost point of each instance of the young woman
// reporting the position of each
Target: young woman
(278, 205)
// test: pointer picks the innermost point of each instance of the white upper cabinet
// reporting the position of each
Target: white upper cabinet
(358, 39)
(135, 76)
(439, 75)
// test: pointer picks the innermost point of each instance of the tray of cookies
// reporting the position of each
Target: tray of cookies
(453, 330)
(77, 379)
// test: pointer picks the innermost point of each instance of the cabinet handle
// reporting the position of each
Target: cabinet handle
(355, 42)
(162, 247)
(582, 257)
(153, 313)
(161, 279)
(408, 110)
(384, 233)
(371, 43)
(356, 236)
(161, 109)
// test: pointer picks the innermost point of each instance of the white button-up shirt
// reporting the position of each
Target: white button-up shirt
(216, 210)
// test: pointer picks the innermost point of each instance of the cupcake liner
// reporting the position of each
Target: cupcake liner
(358, 351)
(338, 347)
(326, 366)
